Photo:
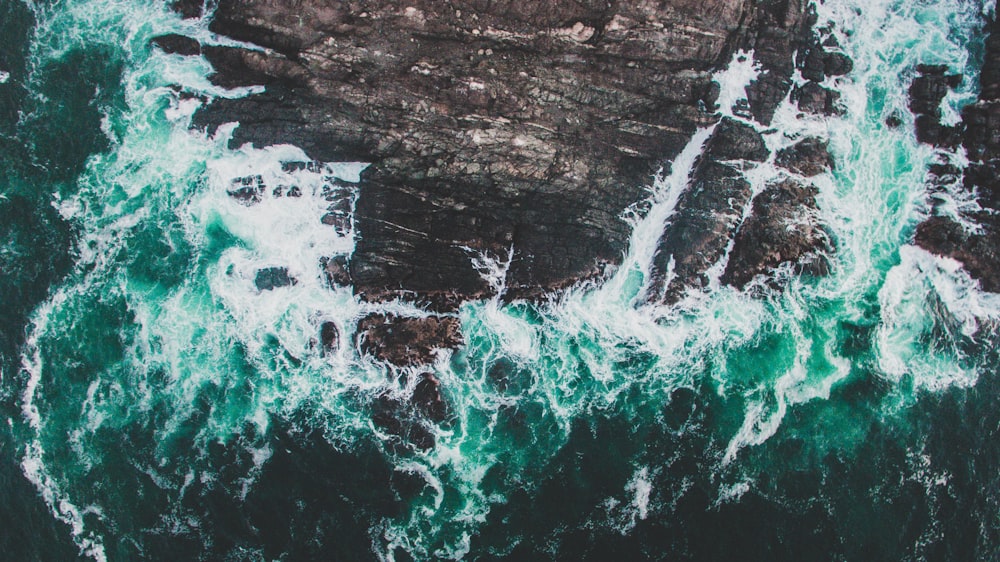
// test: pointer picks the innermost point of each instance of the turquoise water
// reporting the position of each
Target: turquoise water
(163, 408)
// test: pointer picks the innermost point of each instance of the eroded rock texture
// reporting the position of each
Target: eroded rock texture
(407, 341)
(976, 249)
(492, 125)
(708, 212)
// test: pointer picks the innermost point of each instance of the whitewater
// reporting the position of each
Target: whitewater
(164, 407)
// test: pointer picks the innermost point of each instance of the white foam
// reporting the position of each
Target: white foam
(4, 76)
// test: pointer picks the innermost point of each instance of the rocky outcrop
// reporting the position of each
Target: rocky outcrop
(492, 125)
(271, 278)
(808, 157)
(329, 337)
(926, 93)
(708, 212)
(976, 248)
(782, 228)
(407, 341)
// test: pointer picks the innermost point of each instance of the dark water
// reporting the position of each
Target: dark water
(159, 406)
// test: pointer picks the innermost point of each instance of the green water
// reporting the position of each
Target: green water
(161, 407)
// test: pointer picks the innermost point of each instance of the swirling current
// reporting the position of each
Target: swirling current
(159, 407)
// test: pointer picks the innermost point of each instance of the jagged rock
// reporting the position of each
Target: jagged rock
(287, 191)
(329, 336)
(189, 9)
(708, 213)
(813, 98)
(427, 398)
(271, 278)
(782, 228)
(338, 215)
(978, 252)
(926, 93)
(491, 125)
(407, 341)
(337, 271)
(837, 64)
(779, 29)
(247, 189)
(980, 134)
(177, 44)
(809, 157)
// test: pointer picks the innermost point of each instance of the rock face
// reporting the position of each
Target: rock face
(976, 250)
(782, 228)
(271, 278)
(708, 212)
(926, 93)
(492, 125)
(407, 341)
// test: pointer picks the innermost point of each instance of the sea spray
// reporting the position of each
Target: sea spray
(160, 370)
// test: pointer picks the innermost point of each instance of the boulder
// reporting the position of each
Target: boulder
(407, 341)
(271, 278)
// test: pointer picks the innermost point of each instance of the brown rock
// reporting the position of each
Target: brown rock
(491, 125)
(782, 228)
(407, 341)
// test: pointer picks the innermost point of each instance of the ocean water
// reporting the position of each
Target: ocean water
(158, 406)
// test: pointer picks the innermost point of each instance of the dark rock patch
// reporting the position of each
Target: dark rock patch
(780, 28)
(428, 400)
(814, 98)
(708, 213)
(782, 228)
(977, 251)
(271, 278)
(395, 417)
(177, 44)
(188, 9)
(530, 125)
(329, 337)
(337, 271)
(406, 341)
(809, 157)
(926, 93)
(341, 196)
(247, 189)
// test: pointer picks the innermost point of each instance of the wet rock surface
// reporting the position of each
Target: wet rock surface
(976, 249)
(708, 212)
(177, 44)
(492, 125)
(808, 157)
(782, 228)
(271, 278)
(329, 337)
(926, 93)
(407, 341)
(336, 271)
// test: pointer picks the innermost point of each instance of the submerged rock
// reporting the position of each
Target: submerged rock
(407, 341)
(271, 278)
(177, 44)
(395, 417)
